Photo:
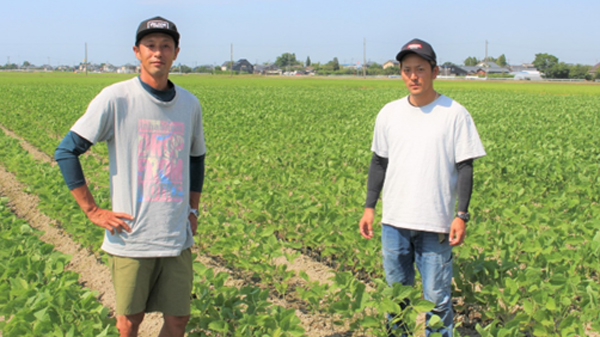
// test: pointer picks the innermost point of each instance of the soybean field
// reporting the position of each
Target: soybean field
(278, 251)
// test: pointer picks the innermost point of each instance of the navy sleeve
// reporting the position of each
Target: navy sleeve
(67, 156)
(197, 173)
(375, 180)
(465, 184)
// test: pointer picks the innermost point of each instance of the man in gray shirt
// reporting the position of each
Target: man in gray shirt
(153, 130)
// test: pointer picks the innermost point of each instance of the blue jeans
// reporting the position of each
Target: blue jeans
(402, 248)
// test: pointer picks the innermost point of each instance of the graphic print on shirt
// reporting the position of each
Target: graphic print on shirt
(160, 168)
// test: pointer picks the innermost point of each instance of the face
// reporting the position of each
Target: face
(418, 75)
(156, 53)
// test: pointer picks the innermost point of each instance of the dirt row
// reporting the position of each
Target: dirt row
(96, 276)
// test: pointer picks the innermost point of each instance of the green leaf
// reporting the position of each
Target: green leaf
(26, 229)
(219, 326)
(369, 322)
(40, 314)
(400, 292)
(435, 322)
(540, 330)
(551, 304)
(508, 213)
(528, 307)
(304, 275)
(423, 306)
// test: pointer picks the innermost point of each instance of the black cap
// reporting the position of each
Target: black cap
(418, 47)
(157, 25)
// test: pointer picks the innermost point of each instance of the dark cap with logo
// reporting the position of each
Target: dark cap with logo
(418, 47)
(157, 25)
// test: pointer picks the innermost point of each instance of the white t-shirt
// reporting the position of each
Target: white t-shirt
(149, 146)
(423, 146)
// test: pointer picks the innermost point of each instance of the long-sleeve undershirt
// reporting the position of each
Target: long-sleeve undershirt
(376, 178)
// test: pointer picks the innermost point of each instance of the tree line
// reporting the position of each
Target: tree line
(552, 68)
(548, 65)
(545, 63)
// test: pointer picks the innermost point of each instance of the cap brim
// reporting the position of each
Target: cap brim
(403, 53)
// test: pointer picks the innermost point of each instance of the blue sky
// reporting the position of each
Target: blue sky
(260, 30)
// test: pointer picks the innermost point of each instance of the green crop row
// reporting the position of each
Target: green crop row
(38, 297)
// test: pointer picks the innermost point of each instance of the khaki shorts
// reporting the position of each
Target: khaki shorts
(153, 284)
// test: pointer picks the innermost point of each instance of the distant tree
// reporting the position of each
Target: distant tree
(26, 64)
(375, 65)
(203, 69)
(597, 75)
(308, 61)
(544, 61)
(185, 69)
(491, 59)
(559, 70)
(374, 68)
(501, 61)
(395, 70)
(181, 68)
(332, 65)
(579, 71)
(286, 59)
(471, 61)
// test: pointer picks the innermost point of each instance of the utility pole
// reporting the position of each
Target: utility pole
(231, 63)
(487, 66)
(364, 67)
(85, 62)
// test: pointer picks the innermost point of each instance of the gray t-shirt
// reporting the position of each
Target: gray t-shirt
(423, 145)
(149, 146)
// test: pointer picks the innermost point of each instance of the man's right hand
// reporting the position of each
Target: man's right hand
(366, 223)
(106, 219)
(109, 220)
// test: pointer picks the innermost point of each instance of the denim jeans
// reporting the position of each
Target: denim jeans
(402, 249)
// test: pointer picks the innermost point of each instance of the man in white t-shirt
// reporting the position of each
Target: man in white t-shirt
(423, 150)
(155, 139)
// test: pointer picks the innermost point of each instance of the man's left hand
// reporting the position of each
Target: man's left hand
(458, 232)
